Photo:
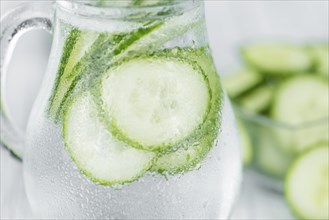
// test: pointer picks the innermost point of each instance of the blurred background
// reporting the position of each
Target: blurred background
(231, 25)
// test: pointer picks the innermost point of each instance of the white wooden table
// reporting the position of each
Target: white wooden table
(230, 23)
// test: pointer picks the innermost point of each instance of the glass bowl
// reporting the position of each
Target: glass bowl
(274, 145)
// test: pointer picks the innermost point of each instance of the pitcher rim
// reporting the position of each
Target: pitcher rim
(82, 8)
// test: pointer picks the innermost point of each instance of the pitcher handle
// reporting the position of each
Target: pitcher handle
(24, 17)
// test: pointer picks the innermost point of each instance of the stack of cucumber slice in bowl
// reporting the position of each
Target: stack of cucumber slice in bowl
(281, 99)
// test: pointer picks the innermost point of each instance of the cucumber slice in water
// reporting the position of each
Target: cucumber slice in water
(277, 59)
(95, 151)
(240, 82)
(185, 158)
(75, 47)
(154, 102)
(192, 151)
(306, 186)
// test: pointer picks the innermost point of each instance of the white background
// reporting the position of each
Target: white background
(230, 24)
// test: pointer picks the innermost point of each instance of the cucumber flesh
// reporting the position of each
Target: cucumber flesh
(95, 151)
(306, 186)
(277, 59)
(241, 81)
(257, 100)
(149, 102)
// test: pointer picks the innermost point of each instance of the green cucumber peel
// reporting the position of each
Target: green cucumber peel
(67, 50)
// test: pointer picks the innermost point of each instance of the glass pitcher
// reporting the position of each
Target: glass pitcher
(130, 121)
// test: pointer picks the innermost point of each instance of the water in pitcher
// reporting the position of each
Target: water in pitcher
(131, 120)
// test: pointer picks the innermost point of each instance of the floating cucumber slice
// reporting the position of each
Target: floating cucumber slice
(75, 47)
(277, 58)
(154, 102)
(240, 82)
(192, 151)
(185, 158)
(95, 151)
(258, 100)
(298, 102)
(306, 186)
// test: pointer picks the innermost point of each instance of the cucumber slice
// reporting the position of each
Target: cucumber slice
(95, 151)
(306, 186)
(301, 99)
(75, 47)
(192, 151)
(148, 102)
(320, 55)
(277, 58)
(185, 158)
(299, 102)
(240, 82)
(257, 100)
